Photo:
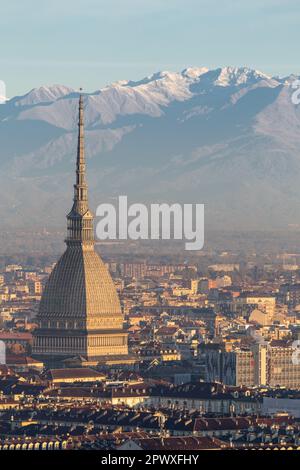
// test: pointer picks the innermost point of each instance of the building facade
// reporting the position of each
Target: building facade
(80, 312)
(272, 364)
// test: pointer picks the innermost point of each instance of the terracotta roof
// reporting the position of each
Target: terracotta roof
(280, 343)
(181, 443)
(19, 359)
(167, 330)
(14, 335)
(5, 370)
(79, 373)
(216, 424)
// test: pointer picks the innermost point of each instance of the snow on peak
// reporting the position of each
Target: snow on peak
(157, 77)
(118, 83)
(194, 72)
(162, 75)
(149, 96)
(43, 94)
(234, 76)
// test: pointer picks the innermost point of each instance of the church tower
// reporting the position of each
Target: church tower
(80, 312)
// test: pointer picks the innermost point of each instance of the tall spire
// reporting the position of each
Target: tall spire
(80, 188)
(80, 219)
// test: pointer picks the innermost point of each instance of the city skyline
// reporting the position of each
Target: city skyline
(156, 307)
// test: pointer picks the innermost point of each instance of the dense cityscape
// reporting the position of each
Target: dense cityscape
(150, 233)
(211, 363)
(146, 352)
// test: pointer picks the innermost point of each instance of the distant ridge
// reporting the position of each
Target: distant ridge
(227, 137)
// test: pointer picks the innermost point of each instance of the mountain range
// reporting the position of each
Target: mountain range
(228, 138)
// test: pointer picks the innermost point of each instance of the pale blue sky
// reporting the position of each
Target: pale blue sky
(94, 42)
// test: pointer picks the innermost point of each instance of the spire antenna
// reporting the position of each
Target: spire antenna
(80, 219)
(80, 165)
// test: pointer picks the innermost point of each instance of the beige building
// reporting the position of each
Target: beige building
(83, 374)
(250, 301)
(283, 367)
(273, 364)
(260, 317)
(80, 312)
(260, 354)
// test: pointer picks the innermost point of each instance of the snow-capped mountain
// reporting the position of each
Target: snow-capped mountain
(227, 137)
(42, 95)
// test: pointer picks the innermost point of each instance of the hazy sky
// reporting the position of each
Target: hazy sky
(94, 42)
